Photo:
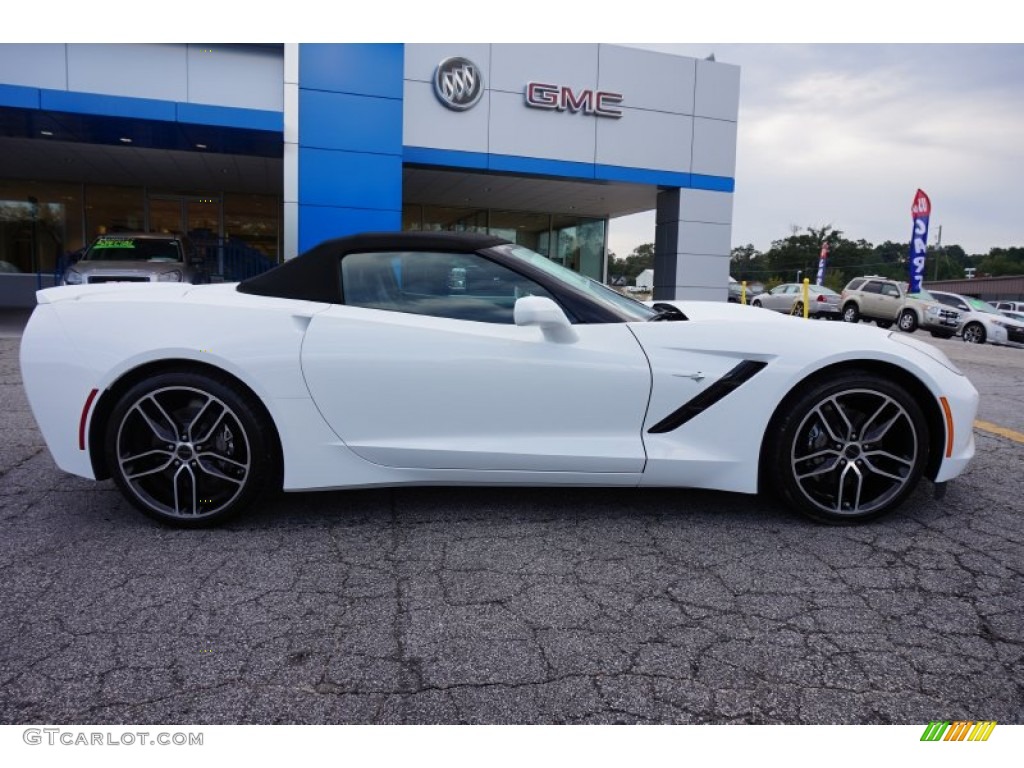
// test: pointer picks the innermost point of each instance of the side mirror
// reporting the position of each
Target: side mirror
(543, 312)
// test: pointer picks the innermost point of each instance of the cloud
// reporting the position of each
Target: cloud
(845, 134)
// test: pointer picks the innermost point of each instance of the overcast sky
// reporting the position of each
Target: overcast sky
(845, 135)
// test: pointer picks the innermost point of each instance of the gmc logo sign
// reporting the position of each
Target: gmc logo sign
(562, 98)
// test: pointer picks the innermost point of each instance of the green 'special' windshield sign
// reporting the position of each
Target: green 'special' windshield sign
(114, 242)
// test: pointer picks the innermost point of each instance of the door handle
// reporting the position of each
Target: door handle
(698, 376)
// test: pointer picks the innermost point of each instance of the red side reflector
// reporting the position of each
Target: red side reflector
(85, 418)
(948, 413)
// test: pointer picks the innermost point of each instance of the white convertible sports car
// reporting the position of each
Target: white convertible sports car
(441, 359)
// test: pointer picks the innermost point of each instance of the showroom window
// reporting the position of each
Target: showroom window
(109, 210)
(458, 286)
(577, 242)
(40, 222)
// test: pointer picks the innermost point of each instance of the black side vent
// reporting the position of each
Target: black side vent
(732, 380)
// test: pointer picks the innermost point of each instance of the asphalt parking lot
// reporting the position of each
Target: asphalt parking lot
(514, 605)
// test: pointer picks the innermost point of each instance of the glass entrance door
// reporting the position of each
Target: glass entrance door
(198, 216)
(165, 215)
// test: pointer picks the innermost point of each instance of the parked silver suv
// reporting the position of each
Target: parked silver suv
(887, 302)
(136, 257)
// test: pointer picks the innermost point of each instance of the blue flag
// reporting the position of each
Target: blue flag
(919, 211)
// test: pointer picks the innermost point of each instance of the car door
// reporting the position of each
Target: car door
(423, 367)
(889, 302)
(779, 299)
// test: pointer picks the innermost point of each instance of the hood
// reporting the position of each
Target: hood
(126, 267)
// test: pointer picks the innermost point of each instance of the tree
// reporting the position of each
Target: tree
(1002, 261)
(743, 264)
(640, 259)
(796, 256)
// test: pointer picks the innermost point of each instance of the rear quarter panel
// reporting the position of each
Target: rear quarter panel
(85, 339)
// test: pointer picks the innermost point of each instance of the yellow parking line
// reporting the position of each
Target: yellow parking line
(995, 429)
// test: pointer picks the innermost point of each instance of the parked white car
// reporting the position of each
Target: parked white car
(422, 358)
(982, 323)
(1012, 306)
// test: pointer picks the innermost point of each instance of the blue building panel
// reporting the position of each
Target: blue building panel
(367, 69)
(450, 158)
(643, 176)
(714, 183)
(230, 117)
(19, 96)
(109, 106)
(350, 122)
(350, 140)
(319, 223)
(350, 179)
(539, 166)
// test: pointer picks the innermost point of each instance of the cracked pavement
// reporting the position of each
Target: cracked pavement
(445, 605)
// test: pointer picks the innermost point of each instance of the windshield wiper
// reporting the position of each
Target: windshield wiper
(666, 313)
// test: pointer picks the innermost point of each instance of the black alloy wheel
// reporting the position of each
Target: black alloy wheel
(849, 449)
(188, 449)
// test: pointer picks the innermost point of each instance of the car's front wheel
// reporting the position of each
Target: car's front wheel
(849, 448)
(189, 448)
(908, 321)
(851, 314)
(974, 333)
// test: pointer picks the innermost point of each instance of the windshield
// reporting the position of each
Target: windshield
(133, 249)
(982, 306)
(622, 305)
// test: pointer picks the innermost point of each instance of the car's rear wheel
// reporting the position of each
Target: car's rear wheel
(188, 448)
(798, 309)
(908, 321)
(756, 303)
(974, 333)
(851, 314)
(849, 449)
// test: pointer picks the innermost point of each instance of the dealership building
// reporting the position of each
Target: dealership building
(259, 152)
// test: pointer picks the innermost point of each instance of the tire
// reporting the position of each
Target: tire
(851, 314)
(824, 465)
(216, 461)
(798, 309)
(756, 303)
(974, 333)
(907, 321)
(883, 324)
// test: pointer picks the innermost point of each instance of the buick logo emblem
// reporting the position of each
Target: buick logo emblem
(458, 83)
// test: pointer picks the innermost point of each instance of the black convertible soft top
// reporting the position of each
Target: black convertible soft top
(315, 276)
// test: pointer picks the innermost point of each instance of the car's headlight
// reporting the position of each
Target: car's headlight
(174, 276)
(934, 311)
(72, 278)
(934, 353)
